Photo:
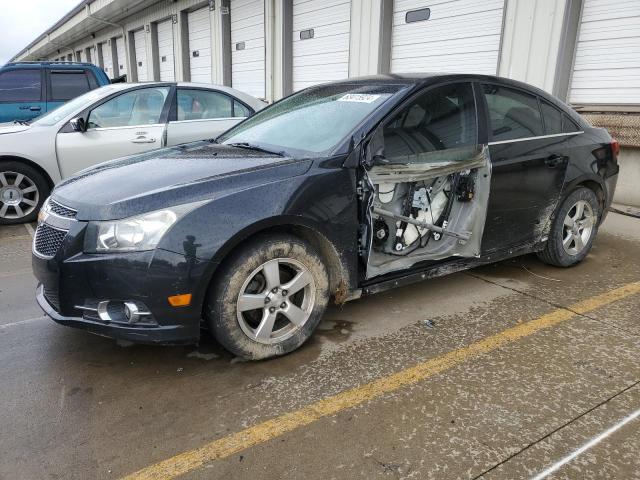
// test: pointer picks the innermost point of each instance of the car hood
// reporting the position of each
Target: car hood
(13, 128)
(172, 176)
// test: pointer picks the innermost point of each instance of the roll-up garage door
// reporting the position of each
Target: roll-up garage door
(165, 51)
(107, 60)
(461, 36)
(320, 41)
(248, 47)
(199, 25)
(121, 52)
(606, 69)
(140, 44)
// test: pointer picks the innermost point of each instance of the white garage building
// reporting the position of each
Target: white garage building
(584, 51)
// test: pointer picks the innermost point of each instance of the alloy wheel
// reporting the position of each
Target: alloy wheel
(578, 227)
(19, 195)
(276, 300)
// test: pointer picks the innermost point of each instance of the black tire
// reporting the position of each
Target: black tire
(555, 252)
(32, 177)
(221, 309)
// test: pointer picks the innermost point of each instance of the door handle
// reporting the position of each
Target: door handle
(554, 160)
(28, 107)
(143, 140)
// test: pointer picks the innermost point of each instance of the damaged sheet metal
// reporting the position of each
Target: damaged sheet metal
(427, 207)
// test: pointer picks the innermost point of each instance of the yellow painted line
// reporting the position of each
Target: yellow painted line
(265, 431)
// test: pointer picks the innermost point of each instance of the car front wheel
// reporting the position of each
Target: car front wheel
(268, 297)
(22, 191)
(574, 229)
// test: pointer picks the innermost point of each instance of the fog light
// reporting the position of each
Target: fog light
(132, 312)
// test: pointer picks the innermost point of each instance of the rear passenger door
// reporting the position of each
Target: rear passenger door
(200, 114)
(21, 94)
(65, 84)
(529, 165)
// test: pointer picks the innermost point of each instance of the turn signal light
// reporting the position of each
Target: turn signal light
(180, 300)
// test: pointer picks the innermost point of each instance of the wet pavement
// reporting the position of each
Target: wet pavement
(74, 405)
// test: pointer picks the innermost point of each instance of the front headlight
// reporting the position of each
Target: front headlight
(133, 234)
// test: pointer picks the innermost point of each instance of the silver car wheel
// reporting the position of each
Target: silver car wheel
(19, 195)
(276, 300)
(578, 227)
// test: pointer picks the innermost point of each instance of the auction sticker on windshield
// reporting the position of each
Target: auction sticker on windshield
(359, 97)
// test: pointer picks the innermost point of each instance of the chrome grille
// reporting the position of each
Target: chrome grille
(61, 210)
(47, 240)
(51, 295)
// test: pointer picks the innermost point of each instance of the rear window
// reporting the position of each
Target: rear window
(23, 85)
(552, 118)
(568, 125)
(514, 114)
(66, 85)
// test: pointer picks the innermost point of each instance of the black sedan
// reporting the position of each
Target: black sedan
(337, 191)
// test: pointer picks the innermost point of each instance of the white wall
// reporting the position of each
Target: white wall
(531, 41)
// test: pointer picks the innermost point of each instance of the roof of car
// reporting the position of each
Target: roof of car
(424, 77)
(50, 63)
(418, 80)
(253, 102)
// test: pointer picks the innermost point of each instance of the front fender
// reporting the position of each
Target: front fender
(323, 200)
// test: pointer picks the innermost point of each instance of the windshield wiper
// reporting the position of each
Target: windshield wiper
(257, 148)
(21, 122)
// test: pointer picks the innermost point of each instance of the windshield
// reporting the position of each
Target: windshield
(312, 121)
(69, 108)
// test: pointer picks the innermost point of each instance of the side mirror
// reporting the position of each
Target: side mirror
(78, 124)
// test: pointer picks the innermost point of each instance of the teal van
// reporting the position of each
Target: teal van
(30, 89)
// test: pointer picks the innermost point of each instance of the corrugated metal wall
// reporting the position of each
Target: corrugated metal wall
(607, 60)
(333, 39)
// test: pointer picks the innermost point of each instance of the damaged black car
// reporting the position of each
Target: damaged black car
(335, 192)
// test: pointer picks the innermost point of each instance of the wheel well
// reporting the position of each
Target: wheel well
(339, 281)
(597, 189)
(33, 165)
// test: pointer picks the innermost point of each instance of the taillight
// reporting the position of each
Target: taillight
(615, 149)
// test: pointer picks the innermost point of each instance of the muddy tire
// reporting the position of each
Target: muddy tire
(23, 190)
(268, 297)
(574, 229)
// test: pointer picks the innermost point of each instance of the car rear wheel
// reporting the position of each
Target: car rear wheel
(268, 297)
(22, 191)
(574, 229)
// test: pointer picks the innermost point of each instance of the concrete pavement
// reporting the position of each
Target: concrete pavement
(73, 405)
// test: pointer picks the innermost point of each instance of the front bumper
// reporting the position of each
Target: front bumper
(72, 282)
(160, 334)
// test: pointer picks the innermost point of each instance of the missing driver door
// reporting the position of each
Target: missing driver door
(428, 182)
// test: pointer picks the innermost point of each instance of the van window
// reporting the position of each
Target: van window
(66, 85)
(23, 85)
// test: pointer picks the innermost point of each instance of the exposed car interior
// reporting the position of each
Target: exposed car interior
(429, 189)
